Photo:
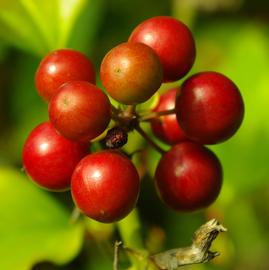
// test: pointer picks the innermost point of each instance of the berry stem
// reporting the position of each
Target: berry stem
(124, 116)
(149, 140)
(153, 115)
(130, 111)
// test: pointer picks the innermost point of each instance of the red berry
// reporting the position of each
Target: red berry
(171, 40)
(50, 159)
(167, 127)
(59, 67)
(80, 111)
(188, 177)
(105, 186)
(210, 108)
(131, 73)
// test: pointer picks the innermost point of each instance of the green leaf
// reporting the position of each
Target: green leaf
(33, 226)
(44, 16)
(69, 10)
(40, 26)
(18, 28)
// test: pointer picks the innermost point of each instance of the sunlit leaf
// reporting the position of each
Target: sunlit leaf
(69, 10)
(17, 27)
(40, 26)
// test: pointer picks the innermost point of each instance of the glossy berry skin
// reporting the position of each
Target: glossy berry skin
(62, 66)
(171, 40)
(167, 127)
(80, 111)
(131, 73)
(105, 186)
(210, 108)
(188, 177)
(50, 159)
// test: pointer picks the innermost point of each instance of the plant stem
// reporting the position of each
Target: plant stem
(149, 140)
(125, 118)
(197, 252)
(75, 214)
(130, 111)
(129, 229)
(130, 232)
(153, 115)
(116, 255)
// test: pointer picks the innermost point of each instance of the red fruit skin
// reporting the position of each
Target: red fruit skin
(210, 108)
(49, 159)
(131, 73)
(188, 177)
(167, 127)
(172, 41)
(80, 111)
(105, 186)
(59, 67)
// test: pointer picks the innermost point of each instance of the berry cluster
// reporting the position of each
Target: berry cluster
(206, 109)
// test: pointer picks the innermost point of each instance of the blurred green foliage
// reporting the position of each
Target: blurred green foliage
(231, 36)
(33, 226)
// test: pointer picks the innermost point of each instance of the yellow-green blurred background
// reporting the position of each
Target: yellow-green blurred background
(232, 37)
